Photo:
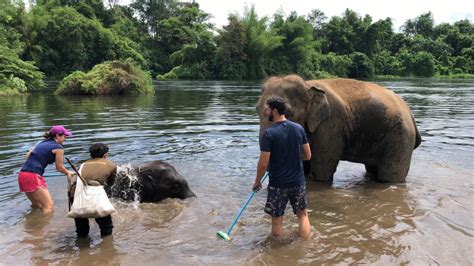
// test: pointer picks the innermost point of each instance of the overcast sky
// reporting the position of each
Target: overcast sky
(399, 10)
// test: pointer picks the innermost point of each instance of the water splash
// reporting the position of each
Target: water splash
(127, 185)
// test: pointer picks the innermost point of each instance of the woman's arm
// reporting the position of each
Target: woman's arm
(59, 162)
(27, 155)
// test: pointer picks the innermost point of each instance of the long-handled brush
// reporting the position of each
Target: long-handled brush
(226, 235)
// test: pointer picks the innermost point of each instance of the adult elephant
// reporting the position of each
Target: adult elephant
(348, 120)
(150, 182)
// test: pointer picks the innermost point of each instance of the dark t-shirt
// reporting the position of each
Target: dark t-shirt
(284, 141)
(41, 156)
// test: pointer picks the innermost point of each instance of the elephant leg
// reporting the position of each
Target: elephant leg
(323, 169)
(371, 169)
(307, 167)
(394, 166)
(326, 152)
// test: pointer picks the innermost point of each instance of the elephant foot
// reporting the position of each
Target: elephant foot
(390, 177)
(320, 178)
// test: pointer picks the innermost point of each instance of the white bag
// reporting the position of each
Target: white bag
(90, 201)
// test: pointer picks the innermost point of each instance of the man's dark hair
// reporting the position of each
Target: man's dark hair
(277, 103)
(97, 150)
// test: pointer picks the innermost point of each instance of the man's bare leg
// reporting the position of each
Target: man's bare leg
(277, 226)
(304, 225)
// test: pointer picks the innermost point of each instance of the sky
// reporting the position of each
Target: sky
(399, 10)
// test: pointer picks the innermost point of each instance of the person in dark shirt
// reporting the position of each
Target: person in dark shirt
(30, 178)
(97, 171)
(282, 148)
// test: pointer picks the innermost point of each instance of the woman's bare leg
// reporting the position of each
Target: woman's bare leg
(41, 199)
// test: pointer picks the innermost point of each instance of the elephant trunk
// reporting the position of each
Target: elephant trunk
(189, 194)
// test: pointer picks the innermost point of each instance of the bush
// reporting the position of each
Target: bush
(423, 65)
(108, 78)
(12, 85)
(194, 71)
(337, 65)
(361, 67)
(385, 64)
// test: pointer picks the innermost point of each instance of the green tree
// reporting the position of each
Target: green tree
(377, 37)
(260, 42)
(338, 37)
(422, 25)
(188, 38)
(317, 19)
(16, 75)
(297, 45)
(67, 41)
(230, 57)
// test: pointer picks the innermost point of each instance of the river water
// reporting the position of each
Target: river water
(209, 132)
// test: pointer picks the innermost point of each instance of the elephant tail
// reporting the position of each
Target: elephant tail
(417, 133)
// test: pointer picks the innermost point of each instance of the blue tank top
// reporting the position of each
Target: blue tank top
(284, 141)
(41, 156)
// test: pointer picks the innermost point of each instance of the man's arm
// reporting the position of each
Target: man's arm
(261, 168)
(306, 152)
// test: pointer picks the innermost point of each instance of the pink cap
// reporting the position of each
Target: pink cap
(60, 130)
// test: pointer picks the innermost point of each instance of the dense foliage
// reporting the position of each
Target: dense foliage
(16, 75)
(175, 40)
(108, 78)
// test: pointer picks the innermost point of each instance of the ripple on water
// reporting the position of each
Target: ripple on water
(209, 130)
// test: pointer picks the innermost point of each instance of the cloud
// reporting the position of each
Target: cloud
(400, 11)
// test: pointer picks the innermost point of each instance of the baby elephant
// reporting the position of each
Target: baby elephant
(149, 182)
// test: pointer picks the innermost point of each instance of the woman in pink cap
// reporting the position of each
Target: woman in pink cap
(30, 178)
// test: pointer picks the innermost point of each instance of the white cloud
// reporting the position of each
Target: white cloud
(399, 11)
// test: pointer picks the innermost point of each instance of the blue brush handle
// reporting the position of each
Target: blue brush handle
(245, 206)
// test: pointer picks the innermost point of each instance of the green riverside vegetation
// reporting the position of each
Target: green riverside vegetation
(108, 78)
(175, 40)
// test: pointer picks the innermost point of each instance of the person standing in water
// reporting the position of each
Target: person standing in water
(282, 148)
(97, 171)
(30, 177)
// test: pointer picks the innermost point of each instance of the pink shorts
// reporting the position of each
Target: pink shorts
(30, 182)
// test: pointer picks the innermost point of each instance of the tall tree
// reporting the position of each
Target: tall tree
(422, 25)
(260, 43)
(297, 45)
(231, 59)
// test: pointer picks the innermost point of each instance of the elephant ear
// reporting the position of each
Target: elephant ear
(318, 109)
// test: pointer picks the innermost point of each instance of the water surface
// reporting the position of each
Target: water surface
(209, 132)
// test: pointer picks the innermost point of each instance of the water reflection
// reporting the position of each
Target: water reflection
(35, 226)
